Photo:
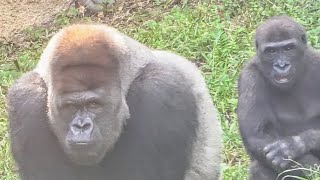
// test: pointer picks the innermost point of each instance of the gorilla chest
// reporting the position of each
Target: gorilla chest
(296, 113)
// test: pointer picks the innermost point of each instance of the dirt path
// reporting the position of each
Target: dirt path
(16, 15)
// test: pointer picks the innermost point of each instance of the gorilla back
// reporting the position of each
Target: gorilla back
(100, 105)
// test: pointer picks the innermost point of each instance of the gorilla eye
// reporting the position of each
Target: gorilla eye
(92, 105)
(270, 50)
(289, 47)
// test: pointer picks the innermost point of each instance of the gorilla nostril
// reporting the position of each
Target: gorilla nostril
(82, 126)
(76, 126)
(87, 129)
(86, 126)
(282, 67)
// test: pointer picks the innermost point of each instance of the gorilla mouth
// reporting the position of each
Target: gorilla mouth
(85, 157)
(282, 80)
(84, 153)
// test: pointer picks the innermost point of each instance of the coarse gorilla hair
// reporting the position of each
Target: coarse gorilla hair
(278, 105)
(100, 105)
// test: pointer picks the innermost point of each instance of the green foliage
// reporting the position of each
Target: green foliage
(217, 35)
(6, 163)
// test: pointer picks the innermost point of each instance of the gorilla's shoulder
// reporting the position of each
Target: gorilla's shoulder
(250, 65)
(26, 102)
(157, 77)
(27, 86)
(249, 74)
(162, 84)
(314, 55)
(169, 70)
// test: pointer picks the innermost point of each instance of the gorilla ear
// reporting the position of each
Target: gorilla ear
(304, 39)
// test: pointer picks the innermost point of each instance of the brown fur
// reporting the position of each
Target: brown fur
(79, 35)
(87, 51)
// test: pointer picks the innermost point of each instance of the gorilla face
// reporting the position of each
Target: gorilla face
(281, 52)
(87, 123)
(281, 61)
(86, 105)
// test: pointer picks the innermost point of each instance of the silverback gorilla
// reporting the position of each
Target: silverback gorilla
(101, 106)
(279, 100)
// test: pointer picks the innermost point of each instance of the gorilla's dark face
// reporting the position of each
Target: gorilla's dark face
(280, 50)
(87, 123)
(281, 60)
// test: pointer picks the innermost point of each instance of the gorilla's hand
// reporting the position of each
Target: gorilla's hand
(280, 151)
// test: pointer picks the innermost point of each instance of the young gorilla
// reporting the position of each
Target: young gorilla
(279, 100)
(102, 106)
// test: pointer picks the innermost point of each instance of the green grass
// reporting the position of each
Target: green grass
(217, 35)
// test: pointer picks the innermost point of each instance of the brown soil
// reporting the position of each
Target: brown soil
(16, 15)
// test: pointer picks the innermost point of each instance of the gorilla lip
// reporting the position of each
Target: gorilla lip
(282, 80)
(81, 143)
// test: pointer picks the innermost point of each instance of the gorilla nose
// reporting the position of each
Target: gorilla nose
(82, 126)
(282, 67)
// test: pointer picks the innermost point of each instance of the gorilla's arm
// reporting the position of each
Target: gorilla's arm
(311, 139)
(33, 145)
(259, 133)
(295, 146)
(254, 115)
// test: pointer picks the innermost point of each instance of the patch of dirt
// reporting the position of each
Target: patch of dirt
(16, 15)
(133, 12)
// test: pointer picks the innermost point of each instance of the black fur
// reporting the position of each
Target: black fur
(155, 143)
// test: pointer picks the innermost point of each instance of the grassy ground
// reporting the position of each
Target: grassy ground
(217, 35)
